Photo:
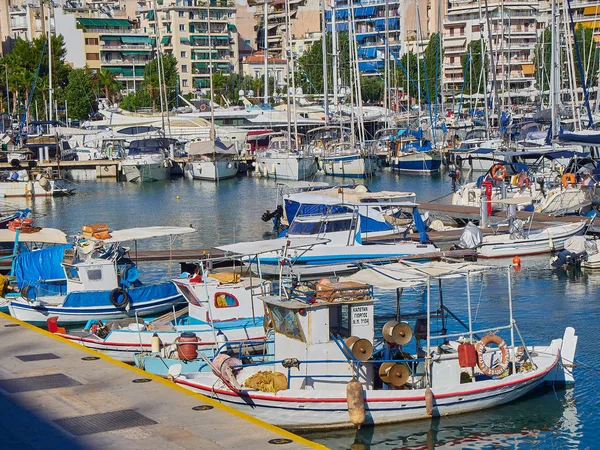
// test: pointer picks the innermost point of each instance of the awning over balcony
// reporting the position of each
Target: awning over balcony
(184, 40)
(198, 82)
(166, 40)
(135, 39)
(110, 38)
(135, 52)
(102, 23)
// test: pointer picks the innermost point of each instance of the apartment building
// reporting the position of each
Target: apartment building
(183, 31)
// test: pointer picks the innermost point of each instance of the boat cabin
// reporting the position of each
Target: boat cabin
(318, 331)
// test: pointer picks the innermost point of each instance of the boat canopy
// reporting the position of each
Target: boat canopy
(407, 274)
(44, 236)
(200, 148)
(270, 245)
(549, 153)
(135, 234)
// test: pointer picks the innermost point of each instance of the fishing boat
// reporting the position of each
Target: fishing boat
(330, 371)
(340, 227)
(146, 161)
(92, 279)
(223, 304)
(211, 161)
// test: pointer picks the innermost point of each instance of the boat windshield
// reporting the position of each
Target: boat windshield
(302, 227)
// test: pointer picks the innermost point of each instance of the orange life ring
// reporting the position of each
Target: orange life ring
(203, 107)
(500, 176)
(567, 179)
(480, 348)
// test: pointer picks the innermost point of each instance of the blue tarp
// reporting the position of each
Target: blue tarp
(45, 264)
(142, 294)
(420, 226)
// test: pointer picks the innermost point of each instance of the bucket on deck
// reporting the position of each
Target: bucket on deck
(187, 349)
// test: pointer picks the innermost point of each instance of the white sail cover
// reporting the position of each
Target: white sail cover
(44, 236)
(407, 274)
(207, 148)
(134, 234)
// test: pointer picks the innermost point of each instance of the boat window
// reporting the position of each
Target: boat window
(94, 274)
(72, 273)
(225, 300)
(339, 322)
(338, 225)
(286, 322)
(187, 294)
(304, 227)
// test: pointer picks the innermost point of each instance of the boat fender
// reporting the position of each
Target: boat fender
(480, 348)
(498, 172)
(119, 297)
(29, 293)
(356, 402)
(429, 401)
(568, 179)
(156, 343)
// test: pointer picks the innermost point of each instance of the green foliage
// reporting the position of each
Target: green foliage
(107, 81)
(588, 52)
(474, 62)
(79, 94)
(22, 63)
(229, 86)
(136, 100)
(409, 65)
(371, 89)
(541, 60)
(151, 78)
(431, 76)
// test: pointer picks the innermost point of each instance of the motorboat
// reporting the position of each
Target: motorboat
(92, 279)
(211, 160)
(329, 370)
(147, 160)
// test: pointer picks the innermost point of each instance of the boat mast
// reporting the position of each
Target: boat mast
(266, 54)
(324, 52)
(210, 74)
(158, 51)
(386, 62)
(50, 60)
(350, 76)
(334, 55)
(289, 74)
(554, 74)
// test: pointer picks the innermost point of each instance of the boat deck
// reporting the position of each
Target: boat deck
(57, 394)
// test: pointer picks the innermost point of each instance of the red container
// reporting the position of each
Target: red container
(467, 356)
(187, 349)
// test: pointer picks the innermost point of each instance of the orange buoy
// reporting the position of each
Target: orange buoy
(517, 261)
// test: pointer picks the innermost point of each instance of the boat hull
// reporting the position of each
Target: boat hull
(353, 166)
(418, 162)
(212, 170)
(145, 172)
(286, 168)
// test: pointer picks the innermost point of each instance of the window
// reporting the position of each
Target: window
(257, 74)
(91, 41)
(225, 300)
(181, 14)
(181, 27)
(72, 273)
(92, 56)
(286, 322)
(184, 68)
(94, 274)
(184, 83)
(183, 54)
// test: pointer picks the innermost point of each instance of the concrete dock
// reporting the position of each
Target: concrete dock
(57, 394)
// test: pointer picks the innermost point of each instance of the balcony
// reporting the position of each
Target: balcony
(124, 62)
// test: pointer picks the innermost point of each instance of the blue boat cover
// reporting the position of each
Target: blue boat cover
(44, 264)
(138, 295)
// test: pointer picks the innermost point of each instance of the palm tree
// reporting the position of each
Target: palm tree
(109, 83)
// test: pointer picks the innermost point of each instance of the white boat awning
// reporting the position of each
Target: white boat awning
(270, 245)
(44, 236)
(407, 274)
(134, 234)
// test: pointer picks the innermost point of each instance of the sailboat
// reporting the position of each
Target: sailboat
(211, 160)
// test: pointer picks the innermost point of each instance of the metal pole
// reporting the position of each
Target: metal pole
(512, 322)
(324, 52)
(158, 51)
(469, 306)
(212, 93)
(334, 55)
(427, 357)
(49, 61)
(266, 52)
(7, 90)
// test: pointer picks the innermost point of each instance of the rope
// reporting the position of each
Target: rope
(439, 198)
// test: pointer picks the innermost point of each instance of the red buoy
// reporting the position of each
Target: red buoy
(516, 261)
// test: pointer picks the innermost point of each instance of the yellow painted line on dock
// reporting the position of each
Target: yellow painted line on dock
(172, 385)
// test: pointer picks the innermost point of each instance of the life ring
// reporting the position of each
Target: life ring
(498, 172)
(114, 297)
(480, 349)
(567, 179)
(203, 107)
(29, 293)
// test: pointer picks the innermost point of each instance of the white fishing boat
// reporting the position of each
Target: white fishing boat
(92, 279)
(146, 161)
(219, 303)
(329, 370)
(24, 183)
(282, 162)
(347, 160)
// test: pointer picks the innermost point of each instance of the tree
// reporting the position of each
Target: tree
(170, 80)
(431, 76)
(542, 59)
(474, 62)
(108, 82)
(588, 52)
(136, 100)
(79, 94)
(407, 73)
(371, 89)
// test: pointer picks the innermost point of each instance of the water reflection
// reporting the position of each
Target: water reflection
(549, 419)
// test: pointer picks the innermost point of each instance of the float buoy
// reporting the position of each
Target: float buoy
(568, 179)
(356, 402)
(480, 348)
(429, 401)
(517, 261)
(498, 172)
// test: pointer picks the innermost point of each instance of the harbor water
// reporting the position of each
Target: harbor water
(545, 301)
